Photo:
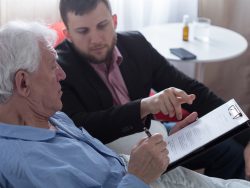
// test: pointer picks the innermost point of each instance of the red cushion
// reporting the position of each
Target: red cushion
(58, 27)
(161, 117)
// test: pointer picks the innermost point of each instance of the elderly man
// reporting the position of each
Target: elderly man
(41, 147)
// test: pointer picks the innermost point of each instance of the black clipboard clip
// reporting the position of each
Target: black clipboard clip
(234, 112)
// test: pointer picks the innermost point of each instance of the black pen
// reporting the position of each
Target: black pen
(147, 132)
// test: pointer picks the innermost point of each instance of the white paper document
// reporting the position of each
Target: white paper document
(204, 130)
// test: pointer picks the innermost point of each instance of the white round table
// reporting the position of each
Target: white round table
(224, 44)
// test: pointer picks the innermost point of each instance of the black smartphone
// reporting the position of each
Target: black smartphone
(182, 53)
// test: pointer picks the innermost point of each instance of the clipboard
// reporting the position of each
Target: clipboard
(236, 114)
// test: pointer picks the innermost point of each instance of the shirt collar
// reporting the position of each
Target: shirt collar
(29, 133)
(117, 58)
(25, 132)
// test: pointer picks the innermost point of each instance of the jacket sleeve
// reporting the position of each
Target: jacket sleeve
(104, 124)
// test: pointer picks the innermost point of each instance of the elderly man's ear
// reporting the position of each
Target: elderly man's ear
(22, 83)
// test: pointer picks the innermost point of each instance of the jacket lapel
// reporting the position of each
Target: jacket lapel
(87, 73)
(129, 71)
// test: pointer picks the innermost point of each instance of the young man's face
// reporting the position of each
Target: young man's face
(93, 34)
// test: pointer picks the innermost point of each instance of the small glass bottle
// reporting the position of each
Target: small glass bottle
(185, 31)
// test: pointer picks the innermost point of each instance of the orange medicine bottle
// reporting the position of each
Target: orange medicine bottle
(185, 31)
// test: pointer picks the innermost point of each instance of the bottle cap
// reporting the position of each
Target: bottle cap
(186, 19)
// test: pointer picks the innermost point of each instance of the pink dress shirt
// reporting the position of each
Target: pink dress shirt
(113, 79)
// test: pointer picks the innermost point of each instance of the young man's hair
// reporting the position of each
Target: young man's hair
(79, 7)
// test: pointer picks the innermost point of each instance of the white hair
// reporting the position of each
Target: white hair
(19, 50)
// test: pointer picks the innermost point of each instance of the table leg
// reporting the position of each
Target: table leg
(199, 72)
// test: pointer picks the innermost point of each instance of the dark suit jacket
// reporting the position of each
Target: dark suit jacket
(89, 103)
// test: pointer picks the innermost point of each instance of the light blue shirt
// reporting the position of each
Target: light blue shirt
(68, 157)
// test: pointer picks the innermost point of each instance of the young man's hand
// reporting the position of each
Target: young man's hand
(185, 122)
(168, 102)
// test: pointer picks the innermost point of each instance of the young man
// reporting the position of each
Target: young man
(109, 77)
(41, 147)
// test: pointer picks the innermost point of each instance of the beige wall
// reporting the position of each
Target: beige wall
(230, 79)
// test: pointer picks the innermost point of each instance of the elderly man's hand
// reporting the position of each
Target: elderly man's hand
(185, 122)
(149, 158)
(168, 102)
(247, 161)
